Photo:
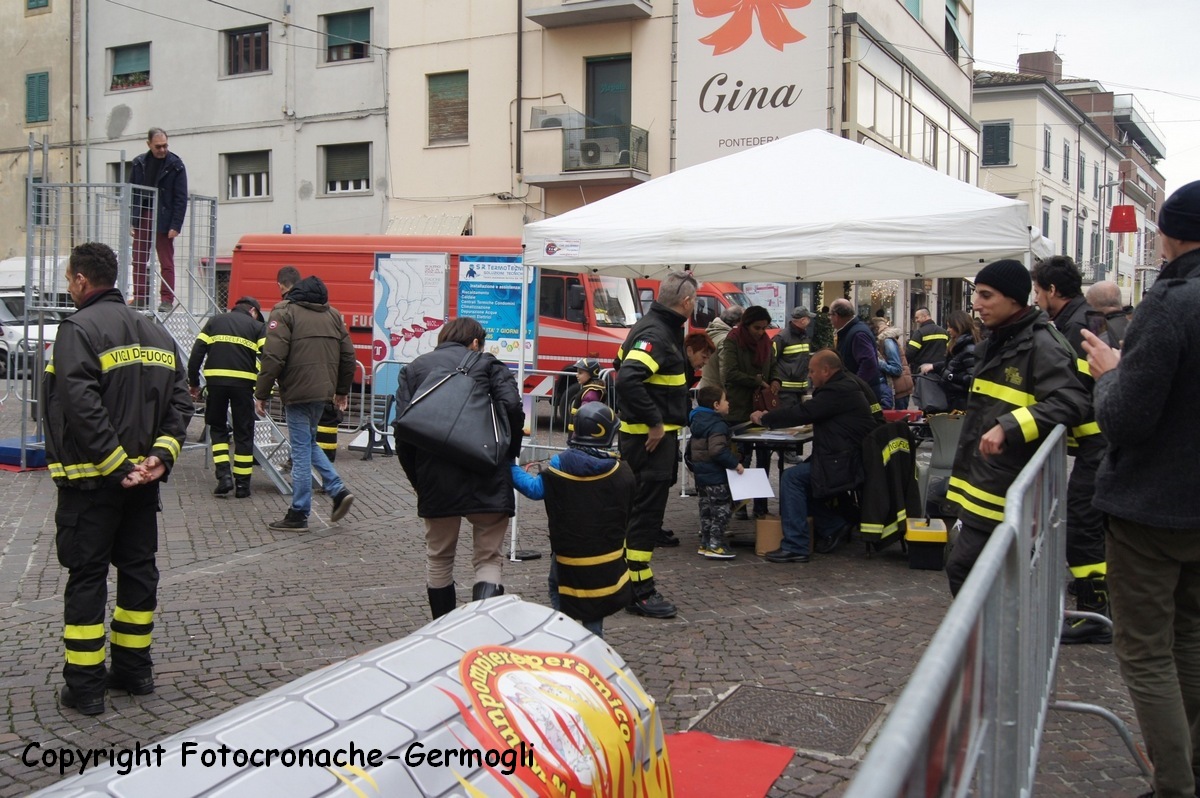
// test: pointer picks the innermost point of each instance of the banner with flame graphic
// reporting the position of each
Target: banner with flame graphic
(579, 737)
(750, 71)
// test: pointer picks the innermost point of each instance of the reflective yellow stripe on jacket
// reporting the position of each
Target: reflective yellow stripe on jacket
(136, 356)
(978, 501)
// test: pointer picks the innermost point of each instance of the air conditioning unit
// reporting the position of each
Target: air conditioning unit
(599, 151)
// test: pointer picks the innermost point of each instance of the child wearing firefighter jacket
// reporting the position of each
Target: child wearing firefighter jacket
(589, 495)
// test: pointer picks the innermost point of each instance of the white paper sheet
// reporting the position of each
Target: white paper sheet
(753, 483)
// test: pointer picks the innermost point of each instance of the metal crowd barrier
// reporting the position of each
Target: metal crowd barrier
(972, 715)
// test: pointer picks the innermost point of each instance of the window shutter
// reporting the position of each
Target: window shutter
(31, 4)
(248, 163)
(996, 144)
(347, 28)
(347, 162)
(37, 97)
(127, 60)
(448, 107)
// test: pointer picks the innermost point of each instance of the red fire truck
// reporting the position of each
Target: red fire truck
(579, 315)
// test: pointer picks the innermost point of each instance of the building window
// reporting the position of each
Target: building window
(1078, 240)
(1095, 242)
(37, 97)
(348, 35)
(1081, 174)
(1046, 206)
(1046, 148)
(248, 174)
(448, 108)
(997, 143)
(130, 67)
(1109, 183)
(1066, 230)
(914, 8)
(952, 37)
(1066, 161)
(41, 212)
(347, 168)
(32, 4)
(247, 50)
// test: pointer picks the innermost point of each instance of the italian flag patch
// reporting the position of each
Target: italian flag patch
(645, 346)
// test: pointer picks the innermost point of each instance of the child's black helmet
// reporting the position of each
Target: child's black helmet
(595, 425)
(591, 365)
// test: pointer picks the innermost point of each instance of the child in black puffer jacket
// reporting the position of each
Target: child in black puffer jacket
(708, 458)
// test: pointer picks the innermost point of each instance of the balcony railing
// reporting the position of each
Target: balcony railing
(605, 147)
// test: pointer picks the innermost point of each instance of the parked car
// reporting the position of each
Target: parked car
(19, 331)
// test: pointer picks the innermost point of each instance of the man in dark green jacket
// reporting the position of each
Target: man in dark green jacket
(308, 352)
(1149, 485)
(1025, 384)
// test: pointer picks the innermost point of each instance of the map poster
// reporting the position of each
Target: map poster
(772, 296)
(489, 291)
(410, 306)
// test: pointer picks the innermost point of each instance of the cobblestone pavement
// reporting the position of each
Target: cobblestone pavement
(243, 610)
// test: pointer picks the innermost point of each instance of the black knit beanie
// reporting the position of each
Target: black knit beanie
(1180, 216)
(1009, 277)
(755, 313)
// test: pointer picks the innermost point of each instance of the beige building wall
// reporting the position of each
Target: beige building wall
(35, 40)
(1058, 201)
(301, 103)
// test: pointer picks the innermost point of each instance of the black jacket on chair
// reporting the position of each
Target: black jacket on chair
(890, 488)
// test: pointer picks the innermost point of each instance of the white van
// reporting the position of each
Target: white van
(19, 330)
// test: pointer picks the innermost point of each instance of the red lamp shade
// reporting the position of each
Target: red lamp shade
(1123, 220)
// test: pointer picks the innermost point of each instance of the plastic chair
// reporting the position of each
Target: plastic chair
(946, 430)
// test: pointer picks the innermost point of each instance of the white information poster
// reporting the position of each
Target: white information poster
(749, 73)
(772, 296)
(410, 306)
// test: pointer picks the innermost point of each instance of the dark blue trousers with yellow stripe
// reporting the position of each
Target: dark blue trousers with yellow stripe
(97, 528)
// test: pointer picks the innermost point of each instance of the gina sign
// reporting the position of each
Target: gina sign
(750, 71)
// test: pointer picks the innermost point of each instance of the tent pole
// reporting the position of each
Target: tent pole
(515, 554)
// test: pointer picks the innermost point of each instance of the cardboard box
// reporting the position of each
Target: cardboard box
(926, 539)
(768, 535)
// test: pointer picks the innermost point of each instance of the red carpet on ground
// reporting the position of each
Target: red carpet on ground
(703, 766)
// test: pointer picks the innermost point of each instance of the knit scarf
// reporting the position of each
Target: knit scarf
(761, 347)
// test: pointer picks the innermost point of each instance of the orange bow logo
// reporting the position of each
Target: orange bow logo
(775, 28)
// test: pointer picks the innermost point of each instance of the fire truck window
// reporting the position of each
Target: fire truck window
(552, 303)
(706, 310)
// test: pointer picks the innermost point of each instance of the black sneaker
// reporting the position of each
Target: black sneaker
(89, 705)
(294, 521)
(342, 503)
(783, 555)
(224, 485)
(1079, 631)
(134, 685)
(652, 605)
(829, 543)
(243, 490)
(666, 539)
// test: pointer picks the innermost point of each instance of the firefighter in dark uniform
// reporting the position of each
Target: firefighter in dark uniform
(793, 347)
(1057, 284)
(228, 348)
(116, 404)
(928, 342)
(1025, 384)
(327, 430)
(654, 402)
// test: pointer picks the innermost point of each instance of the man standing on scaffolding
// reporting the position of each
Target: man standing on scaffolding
(163, 171)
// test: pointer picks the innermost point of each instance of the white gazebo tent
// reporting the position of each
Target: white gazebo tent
(811, 206)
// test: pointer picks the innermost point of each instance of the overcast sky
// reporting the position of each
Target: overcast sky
(1144, 48)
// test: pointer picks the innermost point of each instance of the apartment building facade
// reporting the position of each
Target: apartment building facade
(1071, 152)
(476, 116)
(40, 95)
